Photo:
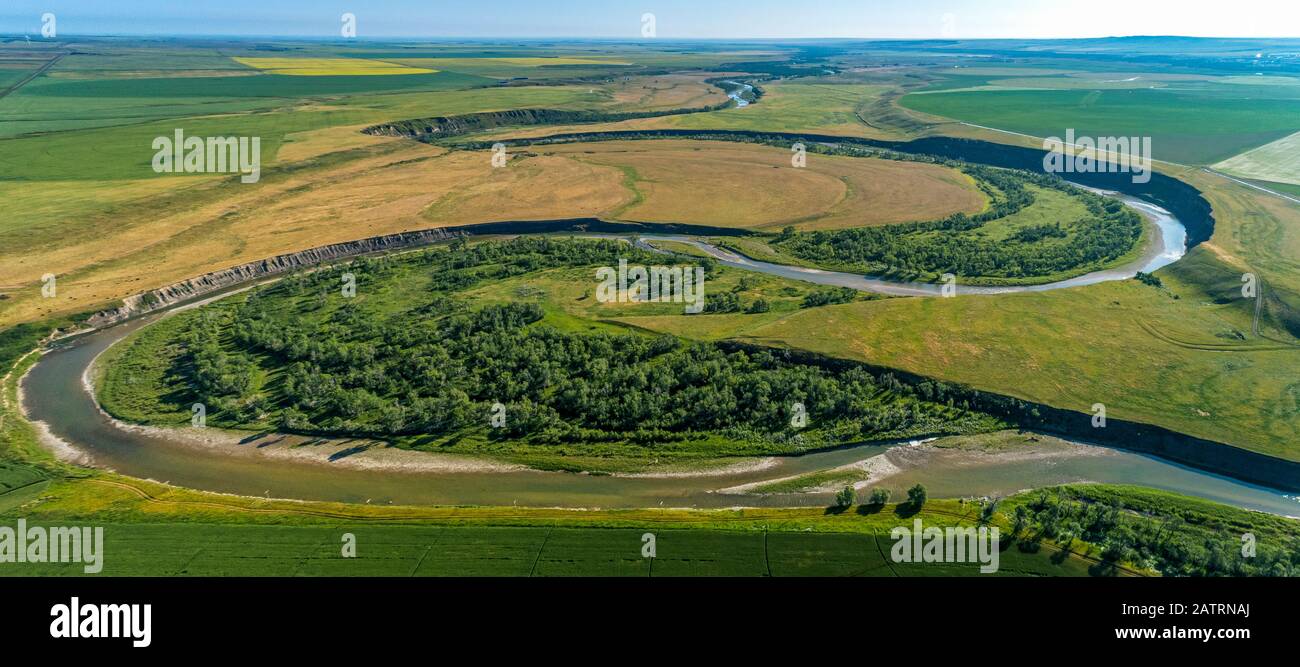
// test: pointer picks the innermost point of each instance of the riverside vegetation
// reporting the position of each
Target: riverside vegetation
(414, 358)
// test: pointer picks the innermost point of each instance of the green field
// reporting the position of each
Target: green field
(1278, 162)
(792, 106)
(1198, 126)
(433, 551)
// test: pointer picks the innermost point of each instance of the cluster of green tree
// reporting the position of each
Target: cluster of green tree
(1035, 233)
(1149, 279)
(916, 497)
(954, 244)
(440, 367)
(726, 302)
(729, 302)
(1169, 542)
(829, 297)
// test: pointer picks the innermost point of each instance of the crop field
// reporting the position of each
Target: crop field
(1277, 162)
(530, 66)
(330, 67)
(1194, 124)
(419, 551)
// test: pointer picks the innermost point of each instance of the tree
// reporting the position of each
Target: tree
(1022, 520)
(879, 497)
(845, 497)
(916, 496)
(987, 511)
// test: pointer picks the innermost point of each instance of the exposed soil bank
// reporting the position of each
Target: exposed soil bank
(432, 129)
(186, 290)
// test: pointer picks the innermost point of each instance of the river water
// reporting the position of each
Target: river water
(738, 93)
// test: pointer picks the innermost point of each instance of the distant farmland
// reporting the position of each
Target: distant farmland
(1185, 127)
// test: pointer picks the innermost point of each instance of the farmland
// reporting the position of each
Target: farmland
(1275, 162)
(1199, 122)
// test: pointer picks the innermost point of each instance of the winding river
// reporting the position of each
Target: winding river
(57, 395)
(1167, 245)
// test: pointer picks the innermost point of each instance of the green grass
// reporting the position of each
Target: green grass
(203, 549)
(1198, 126)
(792, 107)
(1156, 360)
(262, 85)
(1277, 162)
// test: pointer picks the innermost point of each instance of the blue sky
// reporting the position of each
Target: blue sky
(684, 19)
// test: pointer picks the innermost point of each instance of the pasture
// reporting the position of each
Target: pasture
(157, 530)
(472, 551)
(1183, 363)
(1277, 162)
(1190, 125)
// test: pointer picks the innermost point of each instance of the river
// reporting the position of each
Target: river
(737, 94)
(1166, 245)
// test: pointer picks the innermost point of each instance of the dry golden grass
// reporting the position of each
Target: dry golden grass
(400, 187)
(164, 230)
(670, 91)
(745, 185)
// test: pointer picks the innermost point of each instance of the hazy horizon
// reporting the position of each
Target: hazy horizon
(673, 19)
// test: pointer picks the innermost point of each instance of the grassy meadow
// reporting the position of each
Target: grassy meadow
(1191, 119)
